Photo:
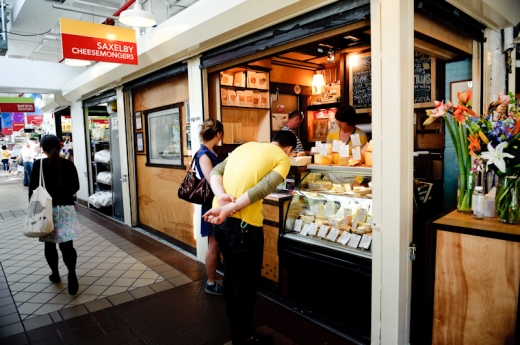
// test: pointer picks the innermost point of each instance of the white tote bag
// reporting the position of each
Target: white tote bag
(39, 214)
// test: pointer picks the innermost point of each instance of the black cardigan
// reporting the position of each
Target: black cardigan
(62, 195)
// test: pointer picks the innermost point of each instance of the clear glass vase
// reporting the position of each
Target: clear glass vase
(507, 200)
(465, 193)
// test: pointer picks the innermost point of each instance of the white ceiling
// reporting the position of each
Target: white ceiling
(34, 31)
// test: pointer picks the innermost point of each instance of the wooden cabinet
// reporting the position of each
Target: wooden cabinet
(245, 105)
(473, 281)
(274, 211)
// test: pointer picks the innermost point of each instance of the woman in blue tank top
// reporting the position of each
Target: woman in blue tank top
(210, 134)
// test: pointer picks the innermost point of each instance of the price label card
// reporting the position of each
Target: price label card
(333, 221)
(323, 231)
(362, 215)
(365, 242)
(348, 212)
(317, 145)
(329, 208)
(323, 150)
(336, 145)
(369, 220)
(298, 225)
(354, 223)
(356, 153)
(313, 229)
(344, 150)
(355, 140)
(290, 223)
(345, 236)
(354, 241)
(333, 234)
(315, 209)
(305, 230)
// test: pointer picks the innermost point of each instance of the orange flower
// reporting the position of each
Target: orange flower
(516, 129)
(459, 115)
(464, 97)
(474, 144)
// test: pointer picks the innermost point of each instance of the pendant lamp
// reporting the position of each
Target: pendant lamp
(136, 17)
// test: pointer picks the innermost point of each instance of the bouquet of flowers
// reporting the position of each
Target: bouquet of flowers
(493, 140)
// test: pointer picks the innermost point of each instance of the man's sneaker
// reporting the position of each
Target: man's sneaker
(216, 289)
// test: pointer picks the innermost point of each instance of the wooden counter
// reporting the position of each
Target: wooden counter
(275, 206)
(473, 281)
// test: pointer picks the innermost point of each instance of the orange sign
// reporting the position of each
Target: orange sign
(97, 42)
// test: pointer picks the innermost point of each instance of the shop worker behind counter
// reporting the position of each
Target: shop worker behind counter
(294, 122)
(250, 173)
(346, 126)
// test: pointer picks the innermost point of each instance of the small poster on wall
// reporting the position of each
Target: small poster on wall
(138, 120)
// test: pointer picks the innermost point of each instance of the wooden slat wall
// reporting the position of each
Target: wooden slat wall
(159, 207)
(476, 290)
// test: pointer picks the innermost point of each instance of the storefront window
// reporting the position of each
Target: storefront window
(164, 137)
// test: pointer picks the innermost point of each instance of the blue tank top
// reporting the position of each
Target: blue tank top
(212, 156)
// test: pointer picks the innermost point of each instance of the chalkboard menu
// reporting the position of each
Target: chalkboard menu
(361, 82)
(422, 88)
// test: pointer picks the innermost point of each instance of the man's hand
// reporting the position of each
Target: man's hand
(218, 214)
(225, 199)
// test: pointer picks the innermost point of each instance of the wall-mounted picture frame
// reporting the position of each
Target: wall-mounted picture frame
(139, 143)
(164, 143)
(138, 120)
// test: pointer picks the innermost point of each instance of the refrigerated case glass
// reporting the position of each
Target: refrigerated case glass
(332, 208)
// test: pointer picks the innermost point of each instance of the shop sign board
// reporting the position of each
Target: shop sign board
(35, 120)
(97, 42)
(16, 104)
(18, 126)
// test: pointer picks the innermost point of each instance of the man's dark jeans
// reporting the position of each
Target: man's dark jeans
(27, 171)
(243, 250)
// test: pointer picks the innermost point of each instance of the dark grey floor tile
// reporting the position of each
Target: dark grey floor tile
(121, 298)
(9, 319)
(9, 330)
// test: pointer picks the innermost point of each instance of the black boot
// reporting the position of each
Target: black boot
(73, 284)
(51, 255)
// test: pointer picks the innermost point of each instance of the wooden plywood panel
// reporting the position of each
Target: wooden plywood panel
(159, 206)
(253, 122)
(157, 202)
(476, 290)
(270, 263)
(271, 213)
(165, 92)
(290, 75)
(290, 103)
(443, 34)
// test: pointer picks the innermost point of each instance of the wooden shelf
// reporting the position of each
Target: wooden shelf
(242, 88)
(323, 106)
(241, 107)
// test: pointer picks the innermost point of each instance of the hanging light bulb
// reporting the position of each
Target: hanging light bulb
(318, 81)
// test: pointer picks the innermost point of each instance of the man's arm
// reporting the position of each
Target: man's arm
(217, 186)
(263, 188)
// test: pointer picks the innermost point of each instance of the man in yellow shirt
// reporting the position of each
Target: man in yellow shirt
(249, 174)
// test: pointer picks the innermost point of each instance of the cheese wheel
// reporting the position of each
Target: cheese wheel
(335, 158)
(369, 148)
(317, 158)
(343, 161)
(326, 160)
(368, 158)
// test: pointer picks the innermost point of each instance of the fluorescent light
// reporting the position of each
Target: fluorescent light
(137, 17)
(75, 62)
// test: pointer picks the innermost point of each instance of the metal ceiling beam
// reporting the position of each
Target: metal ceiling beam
(72, 9)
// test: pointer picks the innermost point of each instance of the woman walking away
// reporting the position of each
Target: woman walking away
(61, 181)
(210, 134)
(5, 157)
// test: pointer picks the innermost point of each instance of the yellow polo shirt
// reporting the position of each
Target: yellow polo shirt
(245, 167)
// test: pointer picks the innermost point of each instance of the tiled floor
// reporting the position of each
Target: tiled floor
(118, 268)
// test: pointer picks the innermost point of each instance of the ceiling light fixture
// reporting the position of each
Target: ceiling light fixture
(317, 82)
(75, 62)
(330, 56)
(136, 17)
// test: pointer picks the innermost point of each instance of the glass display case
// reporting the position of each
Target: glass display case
(332, 209)
(325, 246)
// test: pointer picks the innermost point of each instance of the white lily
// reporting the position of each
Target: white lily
(496, 156)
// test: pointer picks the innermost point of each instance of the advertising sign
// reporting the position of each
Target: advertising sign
(16, 104)
(97, 42)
